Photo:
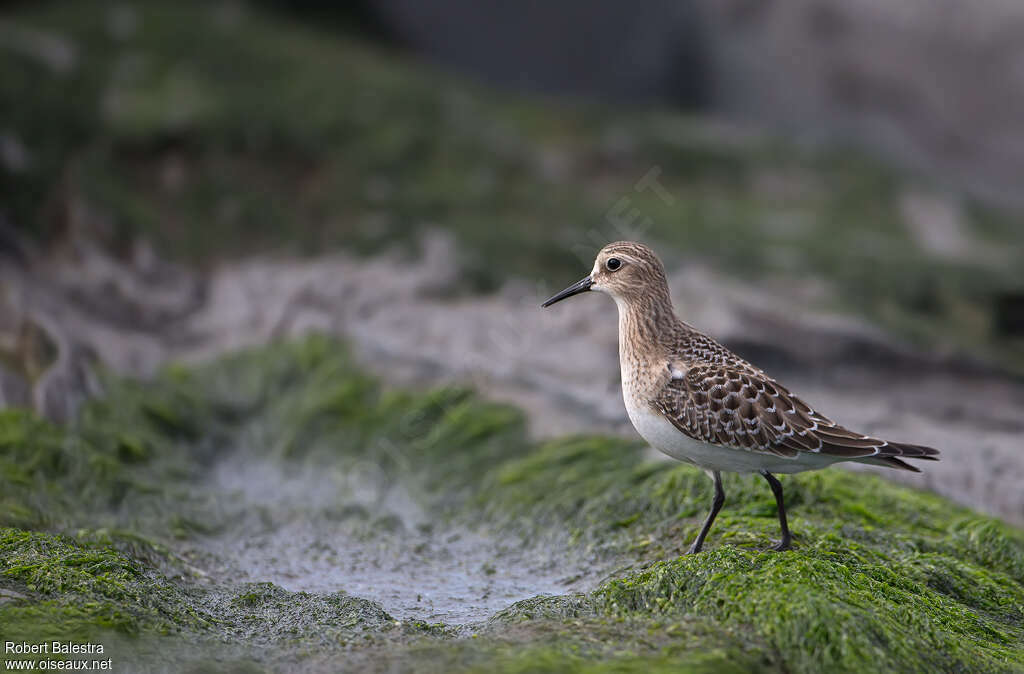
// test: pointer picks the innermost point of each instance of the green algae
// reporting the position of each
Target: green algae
(84, 589)
(572, 633)
(103, 519)
(81, 589)
(819, 612)
(519, 660)
(258, 613)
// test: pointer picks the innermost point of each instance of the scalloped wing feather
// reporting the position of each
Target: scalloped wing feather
(738, 406)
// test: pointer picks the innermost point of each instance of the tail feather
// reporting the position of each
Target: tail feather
(893, 462)
(893, 453)
(911, 451)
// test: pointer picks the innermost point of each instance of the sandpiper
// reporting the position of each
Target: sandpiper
(693, 399)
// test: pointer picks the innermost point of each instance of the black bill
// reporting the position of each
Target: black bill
(581, 286)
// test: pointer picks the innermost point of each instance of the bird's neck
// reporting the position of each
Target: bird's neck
(646, 325)
(646, 317)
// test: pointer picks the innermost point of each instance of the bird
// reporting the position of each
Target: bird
(693, 399)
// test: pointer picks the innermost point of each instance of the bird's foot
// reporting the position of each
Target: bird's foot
(695, 548)
(784, 544)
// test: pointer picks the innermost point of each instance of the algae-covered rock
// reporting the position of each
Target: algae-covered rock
(76, 590)
(279, 509)
(213, 511)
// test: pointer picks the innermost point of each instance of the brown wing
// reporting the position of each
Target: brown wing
(745, 409)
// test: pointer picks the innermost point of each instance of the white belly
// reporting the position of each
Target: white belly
(663, 436)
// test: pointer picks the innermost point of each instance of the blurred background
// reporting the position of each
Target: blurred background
(835, 188)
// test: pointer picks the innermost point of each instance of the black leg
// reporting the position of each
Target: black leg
(716, 505)
(776, 486)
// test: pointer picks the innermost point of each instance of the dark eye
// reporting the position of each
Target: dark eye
(613, 263)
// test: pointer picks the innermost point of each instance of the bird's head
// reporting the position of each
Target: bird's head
(625, 270)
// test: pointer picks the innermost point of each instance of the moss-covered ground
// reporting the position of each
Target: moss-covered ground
(219, 128)
(105, 526)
